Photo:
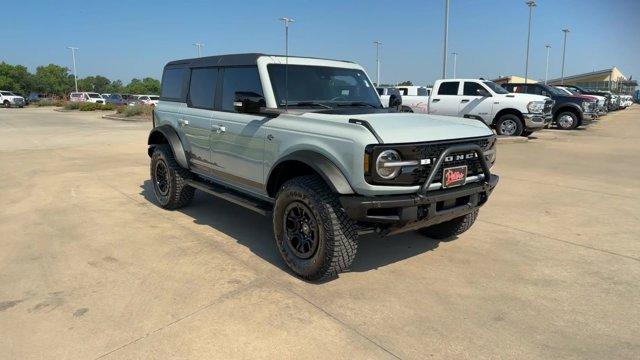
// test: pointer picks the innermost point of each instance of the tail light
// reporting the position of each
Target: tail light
(153, 117)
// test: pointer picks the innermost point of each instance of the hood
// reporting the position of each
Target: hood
(585, 97)
(410, 127)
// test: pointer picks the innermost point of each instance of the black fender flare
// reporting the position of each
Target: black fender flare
(329, 172)
(172, 138)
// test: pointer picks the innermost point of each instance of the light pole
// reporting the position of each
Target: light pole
(199, 47)
(73, 55)
(546, 71)
(564, 49)
(286, 22)
(455, 63)
(446, 39)
(377, 44)
(531, 4)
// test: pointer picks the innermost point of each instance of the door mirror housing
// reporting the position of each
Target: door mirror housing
(394, 100)
(248, 102)
(483, 93)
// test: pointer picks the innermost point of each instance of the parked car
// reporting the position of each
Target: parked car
(148, 99)
(121, 99)
(602, 107)
(569, 111)
(414, 90)
(105, 96)
(607, 94)
(321, 155)
(414, 98)
(9, 99)
(509, 114)
(86, 97)
(390, 97)
(37, 97)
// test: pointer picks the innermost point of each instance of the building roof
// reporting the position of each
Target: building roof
(232, 60)
(513, 78)
(593, 73)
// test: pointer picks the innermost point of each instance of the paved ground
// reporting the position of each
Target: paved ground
(91, 268)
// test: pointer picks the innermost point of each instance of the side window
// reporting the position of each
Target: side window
(449, 88)
(403, 91)
(172, 80)
(471, 88)
(202, 87)
(243, 79)
(380, 91)
(423, 92)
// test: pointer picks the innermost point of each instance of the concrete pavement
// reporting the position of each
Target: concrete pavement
(91, 268)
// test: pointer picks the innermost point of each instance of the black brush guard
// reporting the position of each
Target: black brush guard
(393, 214)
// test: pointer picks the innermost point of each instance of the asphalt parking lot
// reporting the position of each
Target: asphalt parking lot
(91, 268)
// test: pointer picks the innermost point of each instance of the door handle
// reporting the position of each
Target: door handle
(436, 100)
(219, 129)
(464, 100)
(183, 122)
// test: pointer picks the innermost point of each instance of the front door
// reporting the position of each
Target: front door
(474, 105)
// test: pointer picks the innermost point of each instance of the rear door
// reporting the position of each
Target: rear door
(474, 105)
(445, 101)
(196, 119)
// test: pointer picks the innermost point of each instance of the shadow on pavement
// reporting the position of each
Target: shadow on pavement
(255, 232)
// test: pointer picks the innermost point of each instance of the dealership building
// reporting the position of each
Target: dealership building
(603, 80)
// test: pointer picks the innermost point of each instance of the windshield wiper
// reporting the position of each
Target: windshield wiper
(358, 103)
(310, 103)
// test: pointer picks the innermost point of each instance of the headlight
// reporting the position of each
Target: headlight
(586, 105)
(535, 107)
(385, 157)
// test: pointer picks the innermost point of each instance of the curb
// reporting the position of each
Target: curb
(512, 139)
(129, 119)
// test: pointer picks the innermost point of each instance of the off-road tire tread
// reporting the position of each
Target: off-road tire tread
(342, 244)
(183, 193)
(450, 228)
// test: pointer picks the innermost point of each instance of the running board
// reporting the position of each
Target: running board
(233, 196)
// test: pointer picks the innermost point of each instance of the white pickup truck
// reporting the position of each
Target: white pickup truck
(9, 99)
(414, 98)
(508, 113)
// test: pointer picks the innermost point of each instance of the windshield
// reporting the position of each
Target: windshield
(94, 95)
(319, 86)
(7, 93)
(495, 87)
(154, 97)
(553, 91)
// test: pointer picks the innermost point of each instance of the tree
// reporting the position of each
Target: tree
(145, 86)
(96, 83)
(406, 83)
(53, 79)
(15, 78)
(115, 87)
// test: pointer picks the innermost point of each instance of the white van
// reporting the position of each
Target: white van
(86, 97)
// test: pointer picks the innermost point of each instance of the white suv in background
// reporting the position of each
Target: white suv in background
(87, 97)
(148, 99)
(508, 113)
(9, 99)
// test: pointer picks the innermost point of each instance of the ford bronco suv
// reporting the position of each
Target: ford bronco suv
(308, 142)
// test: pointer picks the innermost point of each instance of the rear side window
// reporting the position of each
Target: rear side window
(423, 92)
(202, 87)
(471, 88)
(403, 91)
(449, 88)
(172, 81)
(240, 79)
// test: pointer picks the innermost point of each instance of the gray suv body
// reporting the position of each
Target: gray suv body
(308, 141)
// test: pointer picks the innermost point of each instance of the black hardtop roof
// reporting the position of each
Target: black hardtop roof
(230, 60)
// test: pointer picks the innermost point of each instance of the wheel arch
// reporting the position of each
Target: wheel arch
(306, 162)
(166, 134)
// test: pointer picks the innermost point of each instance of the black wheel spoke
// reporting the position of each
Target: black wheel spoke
(301, 230)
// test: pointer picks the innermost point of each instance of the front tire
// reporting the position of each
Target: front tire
(313, 234)
(7, 104)
(509, 125)
(169, 179)
(567, 121)
(450, 228)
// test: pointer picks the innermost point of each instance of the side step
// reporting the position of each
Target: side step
(261, 207)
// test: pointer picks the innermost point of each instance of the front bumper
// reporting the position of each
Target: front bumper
(399, 213)
(17, 102)
(533, 122)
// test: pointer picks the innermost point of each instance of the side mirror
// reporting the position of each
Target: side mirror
(248, 102)
(483, 93)
(394, 100)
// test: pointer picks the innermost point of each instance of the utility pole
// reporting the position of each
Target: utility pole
(531, 4)
(73, 55)
(546, 71)
(564, 49)
(286, 22)
(377, 44)
(446, 39)
(455, 63)
(199, 47)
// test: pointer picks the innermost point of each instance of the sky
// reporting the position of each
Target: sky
(127, 39)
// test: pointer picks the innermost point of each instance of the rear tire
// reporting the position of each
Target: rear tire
(567, 120)
(169, 179)
(509, 125)
(313, 234)
(450, 228)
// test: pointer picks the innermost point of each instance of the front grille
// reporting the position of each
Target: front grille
(417, 175)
